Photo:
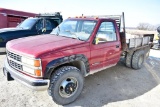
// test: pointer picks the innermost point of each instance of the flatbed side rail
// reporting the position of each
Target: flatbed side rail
(138, 42)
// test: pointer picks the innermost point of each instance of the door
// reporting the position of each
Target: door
(107, 48)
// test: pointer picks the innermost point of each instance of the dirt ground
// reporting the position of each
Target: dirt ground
(118, 86)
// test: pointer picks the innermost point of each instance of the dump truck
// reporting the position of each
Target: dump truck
(157, 40)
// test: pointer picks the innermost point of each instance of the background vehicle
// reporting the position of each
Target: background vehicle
(41, 24)
(157, 41)
(76, 48)
(11, 18)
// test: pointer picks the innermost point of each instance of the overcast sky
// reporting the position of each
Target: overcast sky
(136, 11)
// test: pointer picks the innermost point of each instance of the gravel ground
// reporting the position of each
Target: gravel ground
(118, 86)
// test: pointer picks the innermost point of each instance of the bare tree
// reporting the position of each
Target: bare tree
(146, 26)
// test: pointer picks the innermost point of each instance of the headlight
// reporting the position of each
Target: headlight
(36, 72)
(28, 70)
(33, 62)
(34, 66)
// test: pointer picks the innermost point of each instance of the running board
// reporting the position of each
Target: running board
(95, 71)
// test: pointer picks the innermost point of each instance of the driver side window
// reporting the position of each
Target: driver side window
(106, 32)
(48, 25)
(39, 25)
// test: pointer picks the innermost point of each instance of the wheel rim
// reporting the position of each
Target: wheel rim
(141, 58)
(68, 87)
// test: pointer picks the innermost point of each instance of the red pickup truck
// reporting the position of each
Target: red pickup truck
(58, 62)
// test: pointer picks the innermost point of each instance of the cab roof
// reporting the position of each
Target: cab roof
(88, 18)
(116, 18)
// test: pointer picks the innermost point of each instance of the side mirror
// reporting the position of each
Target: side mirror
(44, 30)
(100, 40)
(96, 40)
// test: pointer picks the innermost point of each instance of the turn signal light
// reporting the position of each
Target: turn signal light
(37, 72)
(37, 63)
(96, 18)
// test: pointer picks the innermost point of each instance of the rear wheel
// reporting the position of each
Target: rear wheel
(138, 59)
(147, 51)
(128, 59)
(66, 85)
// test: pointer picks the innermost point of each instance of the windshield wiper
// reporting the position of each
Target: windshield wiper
(73, 34)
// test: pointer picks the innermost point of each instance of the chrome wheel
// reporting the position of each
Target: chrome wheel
(68, 87)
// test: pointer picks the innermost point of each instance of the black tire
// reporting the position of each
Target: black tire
(138, 59)
(60, 75)
(128, 59)
(147, 51)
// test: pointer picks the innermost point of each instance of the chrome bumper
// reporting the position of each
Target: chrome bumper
(35, 84)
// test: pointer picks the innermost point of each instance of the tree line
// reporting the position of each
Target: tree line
(147, 26)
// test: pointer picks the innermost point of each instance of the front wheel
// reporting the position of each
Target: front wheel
(66, 85)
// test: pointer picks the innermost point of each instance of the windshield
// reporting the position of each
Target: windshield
(28, 23)
(79, 29)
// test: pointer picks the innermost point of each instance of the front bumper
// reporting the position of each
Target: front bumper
(35, 84)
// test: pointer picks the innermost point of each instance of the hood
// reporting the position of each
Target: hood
(41, 44)
(10, 29)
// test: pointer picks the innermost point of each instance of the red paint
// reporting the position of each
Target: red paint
(10, 18)
(50, 47)
(105, 54)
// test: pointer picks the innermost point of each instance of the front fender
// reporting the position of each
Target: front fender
(64, 60)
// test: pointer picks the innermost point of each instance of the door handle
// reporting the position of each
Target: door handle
(117, 46)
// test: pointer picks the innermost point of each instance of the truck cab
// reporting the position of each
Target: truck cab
(59, 61)
(41, 24)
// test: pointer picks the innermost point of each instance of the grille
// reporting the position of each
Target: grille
(15, 65)
(13, 60)
(14, 56)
